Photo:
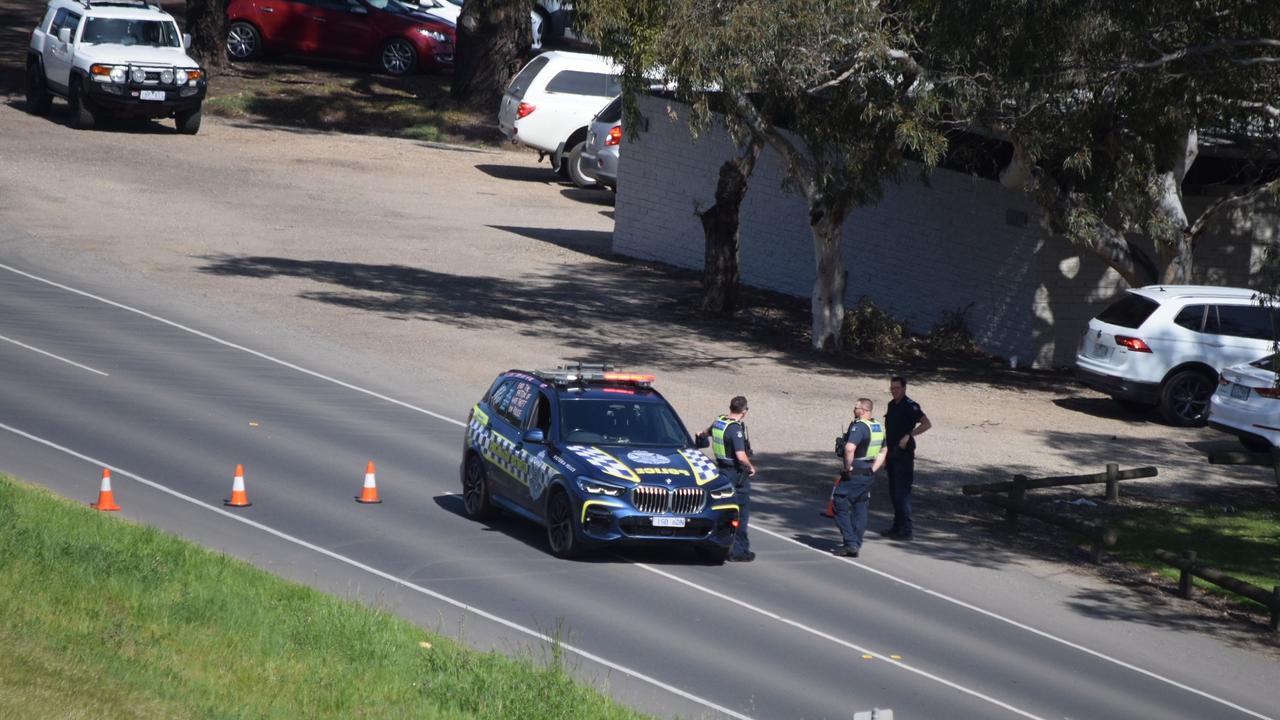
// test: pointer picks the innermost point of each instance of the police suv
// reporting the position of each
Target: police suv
(597, 457)
(117, 57)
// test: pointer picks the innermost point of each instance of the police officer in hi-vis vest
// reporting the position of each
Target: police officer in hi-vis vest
(863, 456)
(732, 449)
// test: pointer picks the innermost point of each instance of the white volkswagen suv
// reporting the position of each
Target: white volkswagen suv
(1165, 345)
(116, 57)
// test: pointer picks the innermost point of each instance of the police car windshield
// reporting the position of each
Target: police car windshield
(620, 422)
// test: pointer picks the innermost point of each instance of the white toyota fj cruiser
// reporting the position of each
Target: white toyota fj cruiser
(114, 57)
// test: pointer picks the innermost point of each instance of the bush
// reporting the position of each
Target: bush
(951, 336)
(868, 331)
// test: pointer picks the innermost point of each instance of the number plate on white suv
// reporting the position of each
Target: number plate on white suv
(1239, 392)
(151, 95)
(1101, 351)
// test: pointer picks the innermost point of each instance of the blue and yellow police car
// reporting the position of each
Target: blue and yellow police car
(597, 457)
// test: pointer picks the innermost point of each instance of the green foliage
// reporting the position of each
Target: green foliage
(871, 332)
(105, 619)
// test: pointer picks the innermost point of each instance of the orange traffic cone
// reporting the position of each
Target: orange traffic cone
(239, 498)
(106, 500)
(831, 501)
(370, 492)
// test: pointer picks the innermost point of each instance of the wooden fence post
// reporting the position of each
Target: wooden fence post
(1113, 482)
(1017, 496)
(1185, 577)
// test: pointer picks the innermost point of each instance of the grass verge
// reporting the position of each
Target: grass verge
(1241, 541)
(106, 619)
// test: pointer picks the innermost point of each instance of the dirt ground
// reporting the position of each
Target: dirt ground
(469, 261)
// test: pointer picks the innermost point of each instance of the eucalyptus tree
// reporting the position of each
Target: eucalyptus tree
(835, 87)
(1109, 104)
(206, 21)
(493, 38)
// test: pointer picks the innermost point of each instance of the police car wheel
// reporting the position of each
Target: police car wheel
(561, 533)
(711, 554)
(475, 490)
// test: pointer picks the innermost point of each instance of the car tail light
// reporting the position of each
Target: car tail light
(1268, 392)
(615, 136)
(524, 109)
(1133, 343)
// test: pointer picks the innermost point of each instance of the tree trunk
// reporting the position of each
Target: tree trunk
(493, 39)
(827, 227)
(721, 278)
(207, 25)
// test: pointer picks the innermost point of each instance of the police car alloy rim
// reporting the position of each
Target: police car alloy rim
(560, 524)
(473, 492)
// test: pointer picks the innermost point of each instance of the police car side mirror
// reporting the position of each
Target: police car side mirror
(186, 41)
(533, 435)
(64, 35)
(701, 441)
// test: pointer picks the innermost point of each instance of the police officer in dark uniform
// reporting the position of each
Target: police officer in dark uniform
(903, 421)
(863, 457)
(732, 449)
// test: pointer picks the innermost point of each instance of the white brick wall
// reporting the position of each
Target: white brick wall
(919, 252)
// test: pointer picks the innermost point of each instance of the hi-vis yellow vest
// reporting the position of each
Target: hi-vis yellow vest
(877, 439)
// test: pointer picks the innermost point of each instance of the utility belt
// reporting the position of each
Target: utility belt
(727, 464)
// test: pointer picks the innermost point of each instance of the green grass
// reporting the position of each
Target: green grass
(1243, 543)
(105, 619)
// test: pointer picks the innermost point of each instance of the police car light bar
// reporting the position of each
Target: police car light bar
(583, 373)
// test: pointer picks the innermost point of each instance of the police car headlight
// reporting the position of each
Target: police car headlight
(723, 492)
(593, 487)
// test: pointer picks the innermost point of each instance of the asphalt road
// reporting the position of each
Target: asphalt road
(171, 396)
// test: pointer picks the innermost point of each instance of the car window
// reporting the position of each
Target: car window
(1245, 321)
(612, 112)
(585, 83)
(1266, 363)
(64, 18)
(540, 418)
(1129, 311)
(512, 399)
(152, 33)
(620, 422)
(1191, 317)
(520, 85)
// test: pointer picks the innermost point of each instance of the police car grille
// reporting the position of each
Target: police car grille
(649, 499)
(677, 501)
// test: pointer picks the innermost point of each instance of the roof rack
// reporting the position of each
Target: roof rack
(121, 3)
(576, 372)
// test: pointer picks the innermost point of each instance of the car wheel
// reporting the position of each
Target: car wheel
(562, 532)
(244, 42)
(188, 122)
(1254, 443)
(711, 554)
(1184, 398)
(398, 57)
(475, 490)
(38, 97)
(576, 174)
(81, 114)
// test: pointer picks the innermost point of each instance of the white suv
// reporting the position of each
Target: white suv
(117, 57)
(1165, 345)
(550, 103)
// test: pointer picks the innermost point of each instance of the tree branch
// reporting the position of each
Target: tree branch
(796, 158)
(1202, 49)
(1232, 201)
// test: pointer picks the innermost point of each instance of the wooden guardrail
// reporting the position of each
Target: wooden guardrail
(1015, 503)
(1186, 563)
(1111, 477)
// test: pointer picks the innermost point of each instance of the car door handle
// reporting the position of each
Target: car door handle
(267, 10)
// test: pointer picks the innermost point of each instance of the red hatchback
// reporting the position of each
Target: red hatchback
(395, 36)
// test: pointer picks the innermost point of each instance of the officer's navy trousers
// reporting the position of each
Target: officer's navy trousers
(850, 501)
(901, 468)
(741, 543)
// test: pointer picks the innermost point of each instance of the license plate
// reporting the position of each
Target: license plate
(676, 522)
(151, 95)
(1240, 392)
(1101, 351)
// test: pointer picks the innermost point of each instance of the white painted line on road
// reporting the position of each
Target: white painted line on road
(839, 641)
(386, 576)
(1019, 625)
(906, 583)
(232, 345)
(55, 357)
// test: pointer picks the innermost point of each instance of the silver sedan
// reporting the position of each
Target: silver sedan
(600, 155)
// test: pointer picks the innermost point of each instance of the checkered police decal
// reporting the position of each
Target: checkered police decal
(605, 462)
(704, 471)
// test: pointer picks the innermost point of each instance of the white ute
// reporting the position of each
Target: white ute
(114, 57)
